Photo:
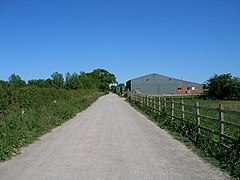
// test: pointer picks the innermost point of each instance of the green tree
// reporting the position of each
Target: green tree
(4, 97)
(73, 81)
(39, 83)
(235, 90)
(104, 79)
(223, 87)
(88, 81)
(57, 80)
(3, 83)
(15, 81)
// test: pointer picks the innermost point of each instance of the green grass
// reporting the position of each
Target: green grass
(228, 105)
(225, 155)
(18, 129)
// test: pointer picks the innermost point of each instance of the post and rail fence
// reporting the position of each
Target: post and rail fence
(223, 123)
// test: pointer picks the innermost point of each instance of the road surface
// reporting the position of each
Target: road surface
(109, 140)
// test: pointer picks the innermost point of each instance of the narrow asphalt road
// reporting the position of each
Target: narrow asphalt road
(109, 140)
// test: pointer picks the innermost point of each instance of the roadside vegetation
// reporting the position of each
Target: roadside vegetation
(224, 154)
(29, 110)
(190, 103)
(223, 87)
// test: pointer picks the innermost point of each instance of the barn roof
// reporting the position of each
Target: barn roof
(162, 76)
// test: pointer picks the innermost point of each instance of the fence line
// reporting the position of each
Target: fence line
(157, 104)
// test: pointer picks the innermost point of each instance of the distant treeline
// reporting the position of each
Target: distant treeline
(16, 93)
(97, 79)
(223, 87)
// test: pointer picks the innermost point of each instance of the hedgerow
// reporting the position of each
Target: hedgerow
(30, 112)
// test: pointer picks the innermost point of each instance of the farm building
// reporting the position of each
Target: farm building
(120, 89)
(156, 84)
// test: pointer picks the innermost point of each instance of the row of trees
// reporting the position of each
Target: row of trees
(224, 87)
(16, 94)
(98, 79)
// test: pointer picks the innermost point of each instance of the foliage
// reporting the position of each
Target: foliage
(15, 81)
(224, 87)
(40, 83)
(226, 155)
(57, 80)
(88, 81)
(30, 110)
(104, 79)
(98, 79)
(81, 81)
(32, 118)
(73, 81)
(15, 93)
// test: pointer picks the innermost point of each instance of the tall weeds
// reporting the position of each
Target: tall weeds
(27, 113)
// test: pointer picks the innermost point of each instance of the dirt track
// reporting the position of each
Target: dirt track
(110, 140)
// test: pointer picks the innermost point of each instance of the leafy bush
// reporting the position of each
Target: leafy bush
(33, 111)
(30, 110)
(224, 87)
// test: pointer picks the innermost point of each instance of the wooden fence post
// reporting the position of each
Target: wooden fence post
(143, 100)
(159, 105)
(198, 117)
(165, 102)
(221, 121)
(150, 103)
(172, 109)
(182, 108)
(140, 99)
(154, 104)
(147, 101)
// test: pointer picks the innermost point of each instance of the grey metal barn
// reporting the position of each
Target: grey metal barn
(155, 84)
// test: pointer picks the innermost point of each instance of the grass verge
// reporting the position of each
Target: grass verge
(227, 157)
(18, 128)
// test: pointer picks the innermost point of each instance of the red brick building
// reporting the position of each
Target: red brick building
(189, 90)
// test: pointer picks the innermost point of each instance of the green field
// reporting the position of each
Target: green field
(214, 125)
(229, 105)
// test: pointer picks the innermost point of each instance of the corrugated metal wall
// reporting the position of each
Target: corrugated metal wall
(157, 84)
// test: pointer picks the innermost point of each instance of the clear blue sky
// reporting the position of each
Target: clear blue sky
(189, 38)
